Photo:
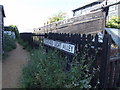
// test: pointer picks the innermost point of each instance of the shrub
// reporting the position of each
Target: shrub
(114, 22)
(48, 70)
(8, 44)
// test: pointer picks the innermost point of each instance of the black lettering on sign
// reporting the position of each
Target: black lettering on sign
(60, 45)
(57, 44)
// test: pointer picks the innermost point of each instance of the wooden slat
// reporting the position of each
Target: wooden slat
(116, 73)
(111, 75)
(107, 61)
(89, 40)
(105, 58)
(83, 40)
(96, 42)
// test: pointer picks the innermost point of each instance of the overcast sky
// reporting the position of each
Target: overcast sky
(29, 14)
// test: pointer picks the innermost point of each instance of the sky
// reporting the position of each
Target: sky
(30, 14)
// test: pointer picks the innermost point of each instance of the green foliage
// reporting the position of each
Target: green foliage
(24, 44)
(57, 17)
(48, 71)
(13, 28)
(8, 44)
(114, 22)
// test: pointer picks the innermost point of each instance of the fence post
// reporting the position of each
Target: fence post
(105, 61)
(46, 47)
(69, 56)
(32, 42)
(69, 60)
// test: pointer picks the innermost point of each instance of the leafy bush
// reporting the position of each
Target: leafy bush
(114, 22)
(48, 70)
(14, 29)
(8, 44)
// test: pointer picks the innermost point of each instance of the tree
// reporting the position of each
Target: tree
(56, 17)
(114, 22)
(13, 28)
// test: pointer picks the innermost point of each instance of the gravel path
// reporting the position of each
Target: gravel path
(12, 67)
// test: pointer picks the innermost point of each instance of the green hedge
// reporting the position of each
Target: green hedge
(8, 44)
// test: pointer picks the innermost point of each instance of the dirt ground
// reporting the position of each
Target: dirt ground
(12, 67)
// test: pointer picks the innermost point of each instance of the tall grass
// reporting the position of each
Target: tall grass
(48, 71)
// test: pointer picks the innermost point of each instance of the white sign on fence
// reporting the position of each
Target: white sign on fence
(60, 45)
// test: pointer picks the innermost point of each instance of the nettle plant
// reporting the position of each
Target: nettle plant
(80, 73)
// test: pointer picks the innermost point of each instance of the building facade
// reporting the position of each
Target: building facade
(113, 10)
(2, 15)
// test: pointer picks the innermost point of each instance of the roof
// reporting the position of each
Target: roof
(115, 34)
(2, 8)
(87, 5)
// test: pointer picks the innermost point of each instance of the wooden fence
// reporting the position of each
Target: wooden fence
(28, 37)
(95, 21)
(107, 71)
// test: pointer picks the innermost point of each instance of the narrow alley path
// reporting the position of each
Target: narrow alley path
(12, 67)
